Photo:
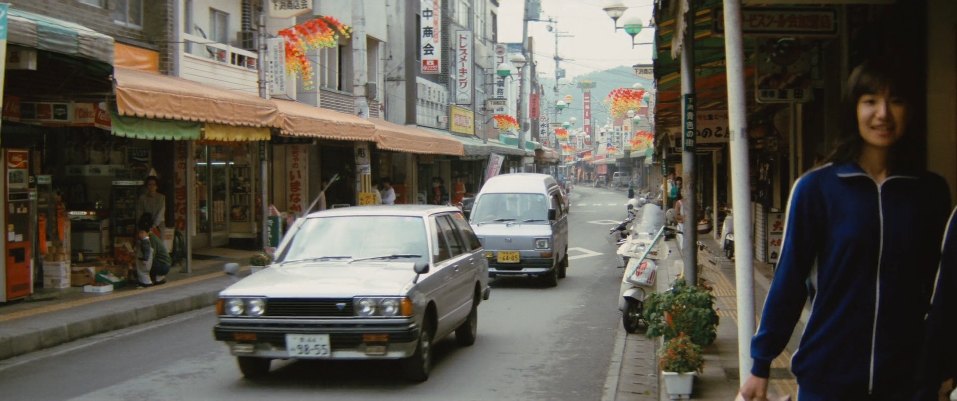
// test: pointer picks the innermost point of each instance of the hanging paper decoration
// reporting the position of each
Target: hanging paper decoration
(561, 133)
(566, 148)
(611, 149)
(623, 99)
(319, 32)
(642, 141)
(505, 123)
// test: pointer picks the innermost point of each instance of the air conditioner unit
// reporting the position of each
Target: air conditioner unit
(372, 91)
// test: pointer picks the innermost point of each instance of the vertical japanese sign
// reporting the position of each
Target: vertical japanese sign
(297, 169)
(500, 51)
(494, 165)
(3, 45)
(431, 38)
(586, 104)
(463, 72)
(689, 122)
(275, 64)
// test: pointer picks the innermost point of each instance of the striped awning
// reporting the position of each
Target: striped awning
(411, 139)
(231, 133)
(300, 119)
(144, 128)
(55, 35)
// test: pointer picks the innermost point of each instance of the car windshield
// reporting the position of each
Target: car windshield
(506, 207)
(348, 238)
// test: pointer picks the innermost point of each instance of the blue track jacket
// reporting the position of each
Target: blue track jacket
(941, 345)
(867, 255)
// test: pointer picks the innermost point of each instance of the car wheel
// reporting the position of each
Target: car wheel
(417, 367)
(252, 367)
(466, 333)
(563, 268)
(632, 318)
(551, 278)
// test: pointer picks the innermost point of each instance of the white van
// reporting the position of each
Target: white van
(522, 221)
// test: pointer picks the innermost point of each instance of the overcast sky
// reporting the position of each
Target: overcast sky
(594, 45)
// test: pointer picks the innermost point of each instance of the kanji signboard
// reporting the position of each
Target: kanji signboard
(430, 51)
(463, 70)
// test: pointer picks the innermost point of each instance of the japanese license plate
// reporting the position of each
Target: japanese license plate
(308, 345)
(508, 257)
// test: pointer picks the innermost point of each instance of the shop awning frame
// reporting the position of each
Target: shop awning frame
(56, 35)
(302, 120)
(156, 96)
(411, 139)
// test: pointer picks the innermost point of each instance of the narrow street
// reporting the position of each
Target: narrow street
(535, 343)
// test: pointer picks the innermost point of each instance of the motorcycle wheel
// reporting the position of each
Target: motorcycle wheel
(632, 317)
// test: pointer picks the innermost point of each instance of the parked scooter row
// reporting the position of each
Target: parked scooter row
(639, 253)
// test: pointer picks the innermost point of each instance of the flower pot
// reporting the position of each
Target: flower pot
(678, 385)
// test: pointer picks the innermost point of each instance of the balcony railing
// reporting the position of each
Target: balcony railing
(220, 52)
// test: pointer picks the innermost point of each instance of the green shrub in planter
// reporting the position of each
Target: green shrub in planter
(260, 259)
(680, 355)
(682, 309)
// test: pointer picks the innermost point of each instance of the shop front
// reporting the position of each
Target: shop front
(417, 151)
(55, 85)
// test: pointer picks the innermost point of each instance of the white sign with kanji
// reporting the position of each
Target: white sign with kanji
(431, 38)
(463, 70)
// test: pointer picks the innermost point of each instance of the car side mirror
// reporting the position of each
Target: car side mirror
(421, 267)
(552, 214)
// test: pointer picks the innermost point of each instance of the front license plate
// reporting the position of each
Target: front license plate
(508, 257)
(308, 345)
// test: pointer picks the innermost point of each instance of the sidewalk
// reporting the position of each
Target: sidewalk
(52, 317)
(638, 378)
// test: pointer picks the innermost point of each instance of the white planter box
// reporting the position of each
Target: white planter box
(678, 385)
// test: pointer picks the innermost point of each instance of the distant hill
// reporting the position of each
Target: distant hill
(605, 82)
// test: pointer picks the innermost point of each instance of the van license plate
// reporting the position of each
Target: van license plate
(308, 345)
(508, 257)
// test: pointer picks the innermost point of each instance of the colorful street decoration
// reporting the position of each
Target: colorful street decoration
(561, 133)
(505, 123)
(642, 141)
(623, 99)
(320, 32)
(566, 148)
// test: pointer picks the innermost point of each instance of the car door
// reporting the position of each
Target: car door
(560, 225)
(461, 279)
(477, 268)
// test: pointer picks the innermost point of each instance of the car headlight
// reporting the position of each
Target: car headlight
(255, 307)
(382, 306)
(235, 307)
(541, 243)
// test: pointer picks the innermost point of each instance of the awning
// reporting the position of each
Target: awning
(230, 133)
(148, 95)
(471, 145)
(300, 119)
(546, 155)
(142, 128)
(410, 139)
(498, 147)
(55, 35)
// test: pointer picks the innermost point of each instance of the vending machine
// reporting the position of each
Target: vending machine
(19, 213)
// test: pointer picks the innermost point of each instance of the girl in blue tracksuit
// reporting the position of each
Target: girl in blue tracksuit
(862, 234)
(941, 346)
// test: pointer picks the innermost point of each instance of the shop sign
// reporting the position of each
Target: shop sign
(775, 236)
(463, 72)
(586, 104)
(689, 122)
(11, 107)
(101, 117)
(496, 106)
(430, 37)
(296, 170)
(782, 21)
(711, 126)
(362, 153)
(462, 120)
(495, 161)
(499, 91)
(275, 65)
(59, 113)
(181, 155)
(288, 8)
(534, 106)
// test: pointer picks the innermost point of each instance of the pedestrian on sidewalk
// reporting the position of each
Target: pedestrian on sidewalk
(861, 241)
(940, 350)
(154, 203)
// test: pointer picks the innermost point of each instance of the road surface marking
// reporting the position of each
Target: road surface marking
(604, 222)
(585, 253)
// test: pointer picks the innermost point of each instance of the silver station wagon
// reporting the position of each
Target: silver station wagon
(376, 282)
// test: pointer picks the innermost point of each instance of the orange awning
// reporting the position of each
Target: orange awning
(156, 96)
(409, 139)
(300, 119)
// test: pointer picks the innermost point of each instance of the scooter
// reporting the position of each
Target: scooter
(639, 277)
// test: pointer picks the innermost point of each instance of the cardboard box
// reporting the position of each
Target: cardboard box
(56, 269)
(56, 282)
(100, 288)
(82, 276)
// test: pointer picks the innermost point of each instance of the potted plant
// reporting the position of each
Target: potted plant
(259, 261)
(682, 309)
(680, 359)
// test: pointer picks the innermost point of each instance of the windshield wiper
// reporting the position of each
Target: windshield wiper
(319, 259)
(393, 256)
(504, 219)
(531, 220)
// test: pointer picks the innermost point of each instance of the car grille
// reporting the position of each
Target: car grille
(526, 263)
(298, 307)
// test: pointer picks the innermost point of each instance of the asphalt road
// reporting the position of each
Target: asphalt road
(534, 343)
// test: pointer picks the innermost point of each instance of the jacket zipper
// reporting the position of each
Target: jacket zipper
(877, 289)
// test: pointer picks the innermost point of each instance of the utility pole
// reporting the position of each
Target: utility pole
(263, 162)
(740, 195)
(689, 246)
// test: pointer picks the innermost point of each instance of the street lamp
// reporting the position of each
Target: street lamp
(503, 70)
(566, 124)
(560, 105)
(572, 120)
(615, 10)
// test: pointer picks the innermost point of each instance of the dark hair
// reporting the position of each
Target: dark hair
(151, 178)
(872, 78)
(145, 222)
(385, 180)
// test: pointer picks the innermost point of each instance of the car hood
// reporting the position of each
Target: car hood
(514, 229)
(326, 280)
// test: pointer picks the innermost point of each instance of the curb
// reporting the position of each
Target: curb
(614, 368)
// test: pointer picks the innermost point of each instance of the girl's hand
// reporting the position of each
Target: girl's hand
(754, 389)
